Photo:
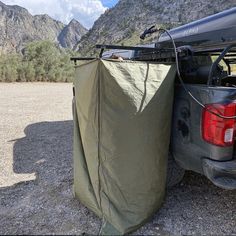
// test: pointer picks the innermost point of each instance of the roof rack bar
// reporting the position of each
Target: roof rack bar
(105, 46)
(75, 59)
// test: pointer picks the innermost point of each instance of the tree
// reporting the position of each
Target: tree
(41, 61)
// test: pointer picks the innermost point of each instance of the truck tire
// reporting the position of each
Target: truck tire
(174, 172)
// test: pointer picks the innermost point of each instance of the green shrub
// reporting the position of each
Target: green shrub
(41, 61)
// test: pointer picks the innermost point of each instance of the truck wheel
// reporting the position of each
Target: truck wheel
(174, 172)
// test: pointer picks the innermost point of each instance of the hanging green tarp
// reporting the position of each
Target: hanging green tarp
(122, 120)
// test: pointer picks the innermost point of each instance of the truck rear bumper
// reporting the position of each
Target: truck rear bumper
(222, 174)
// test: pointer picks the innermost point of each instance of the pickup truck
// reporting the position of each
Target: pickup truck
(201, 141)
(204, 123)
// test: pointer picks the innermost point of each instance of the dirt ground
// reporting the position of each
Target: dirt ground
(36, 175)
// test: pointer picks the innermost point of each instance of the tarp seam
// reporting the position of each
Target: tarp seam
(99, 133)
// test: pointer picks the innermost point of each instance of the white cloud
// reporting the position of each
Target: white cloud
(85, 11)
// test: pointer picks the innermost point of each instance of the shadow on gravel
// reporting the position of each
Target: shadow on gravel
(46, 151)
(45, 205)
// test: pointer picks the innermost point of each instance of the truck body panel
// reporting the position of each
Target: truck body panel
(187, 144)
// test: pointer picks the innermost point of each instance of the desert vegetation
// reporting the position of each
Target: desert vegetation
(39, 61)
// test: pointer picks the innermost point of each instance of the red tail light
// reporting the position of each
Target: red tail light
(216, 130)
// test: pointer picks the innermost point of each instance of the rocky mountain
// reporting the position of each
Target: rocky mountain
(18, 27)
(123, 23)
(71, 34)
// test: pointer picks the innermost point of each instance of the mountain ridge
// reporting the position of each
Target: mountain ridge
(71, 34)
(18, 27)
(121, 24)
(131, 17)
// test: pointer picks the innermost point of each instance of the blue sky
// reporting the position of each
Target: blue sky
(85, 11)
(109, 3)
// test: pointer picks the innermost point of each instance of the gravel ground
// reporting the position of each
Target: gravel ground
(36, 175)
